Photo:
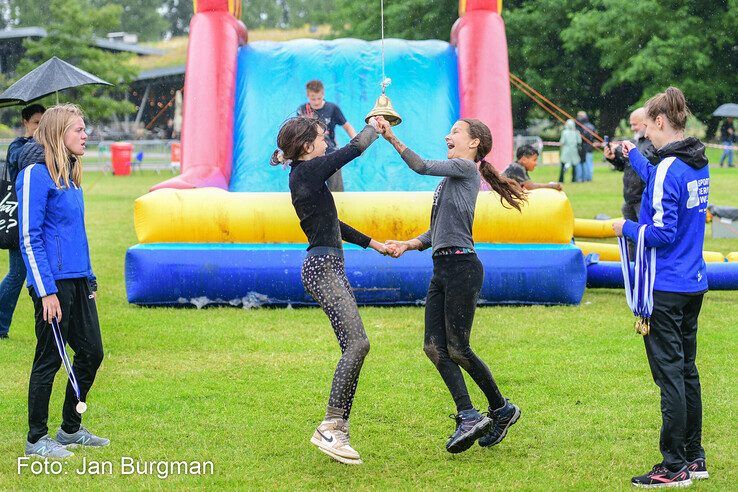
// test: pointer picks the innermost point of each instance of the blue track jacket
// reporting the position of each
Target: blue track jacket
(673, 210)
(51, 225)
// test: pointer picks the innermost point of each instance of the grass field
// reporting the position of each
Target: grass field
(244, 389)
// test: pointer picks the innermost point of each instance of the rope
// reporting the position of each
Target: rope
(534, 96)
(164, 108)
(385, 80)
(522, 82)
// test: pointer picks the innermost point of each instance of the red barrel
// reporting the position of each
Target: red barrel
(120, 155)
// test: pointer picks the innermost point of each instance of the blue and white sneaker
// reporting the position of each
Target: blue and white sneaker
(82, 437)
(503, 418)
(470, 425)
(48, 448)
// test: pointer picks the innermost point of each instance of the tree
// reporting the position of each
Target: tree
(608, 56)
(652, 44)
(142, 17)
(406, 19)
(70, 37)
(178, 13)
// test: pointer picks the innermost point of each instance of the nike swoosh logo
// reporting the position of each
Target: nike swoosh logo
(325, 438)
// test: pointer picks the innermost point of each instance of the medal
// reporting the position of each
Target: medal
(81, 407)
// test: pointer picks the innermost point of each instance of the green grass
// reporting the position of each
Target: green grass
(245, 389)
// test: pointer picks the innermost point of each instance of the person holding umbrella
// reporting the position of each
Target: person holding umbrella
(61, 283)
(13, 282)
(727, 138)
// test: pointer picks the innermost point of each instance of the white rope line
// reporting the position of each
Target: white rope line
(385, 80)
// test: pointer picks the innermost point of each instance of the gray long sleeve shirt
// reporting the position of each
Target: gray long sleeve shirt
(454, 201)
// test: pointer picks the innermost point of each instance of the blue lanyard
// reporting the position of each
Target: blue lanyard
(639, 289)
(61, 347)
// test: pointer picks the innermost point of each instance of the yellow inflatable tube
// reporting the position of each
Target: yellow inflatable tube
(611, 252)
(211, 215)
(593, 228)
(732, 256)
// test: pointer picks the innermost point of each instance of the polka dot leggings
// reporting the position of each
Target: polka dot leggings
(324, 278)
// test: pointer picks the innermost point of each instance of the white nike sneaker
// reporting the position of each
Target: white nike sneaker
(332, 438)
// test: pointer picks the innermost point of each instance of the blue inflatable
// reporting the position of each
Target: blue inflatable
(608, 275)
(270, 85)
(269, 275)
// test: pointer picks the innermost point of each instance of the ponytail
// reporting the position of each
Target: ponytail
(671, 104)
(508, 189)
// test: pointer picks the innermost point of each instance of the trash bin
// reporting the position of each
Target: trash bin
(176, 157)
(120, 155)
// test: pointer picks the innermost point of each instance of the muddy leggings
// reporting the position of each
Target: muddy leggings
(324, 278)
(449, 315)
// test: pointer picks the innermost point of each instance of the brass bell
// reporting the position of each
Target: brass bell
(383, 107)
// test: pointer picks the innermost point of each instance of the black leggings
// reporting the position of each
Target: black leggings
(449, 315)
(81, 330)
(671, 348)
(324, 278)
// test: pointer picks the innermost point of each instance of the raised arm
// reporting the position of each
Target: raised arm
(639, 163)
(327, 165)
(666, 196)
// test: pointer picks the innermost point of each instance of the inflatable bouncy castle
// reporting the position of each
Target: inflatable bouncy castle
(224, 231)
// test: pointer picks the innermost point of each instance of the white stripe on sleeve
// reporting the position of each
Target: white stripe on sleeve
(658, 191)
(26, 237)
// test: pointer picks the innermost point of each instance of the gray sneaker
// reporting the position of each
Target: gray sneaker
(82, 437)
(46, 447)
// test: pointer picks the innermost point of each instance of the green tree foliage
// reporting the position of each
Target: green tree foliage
(406, 19)
(608, 56)
(142, 17)
(178, 14)
(70, 37)
(656, 43)
(286, 13)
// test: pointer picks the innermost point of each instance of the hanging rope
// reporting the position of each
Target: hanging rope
(385, 80)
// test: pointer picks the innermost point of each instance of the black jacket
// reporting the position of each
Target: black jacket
(632, 184)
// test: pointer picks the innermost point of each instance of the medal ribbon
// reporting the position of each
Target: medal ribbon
(639, 290)
(60, 346)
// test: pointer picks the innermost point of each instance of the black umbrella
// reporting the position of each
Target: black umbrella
(727, 110)
(52, 76)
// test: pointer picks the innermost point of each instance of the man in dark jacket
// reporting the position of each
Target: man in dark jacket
(632, 183)
(12, 284)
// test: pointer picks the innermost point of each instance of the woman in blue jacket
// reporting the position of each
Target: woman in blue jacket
(54, 246)
(673, 214)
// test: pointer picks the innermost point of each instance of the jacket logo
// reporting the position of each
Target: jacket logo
(694, 199)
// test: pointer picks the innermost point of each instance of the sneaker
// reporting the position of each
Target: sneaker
(4, 336)
(82, 437)
(46, 447)
(503, 418)
(698, 469)
(660, 476)
(332, 438)
(469, 428)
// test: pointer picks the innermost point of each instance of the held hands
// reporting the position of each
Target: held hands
(385, 129)
(378, 247)
(51, 307)
(396, 248)
(617, 226)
